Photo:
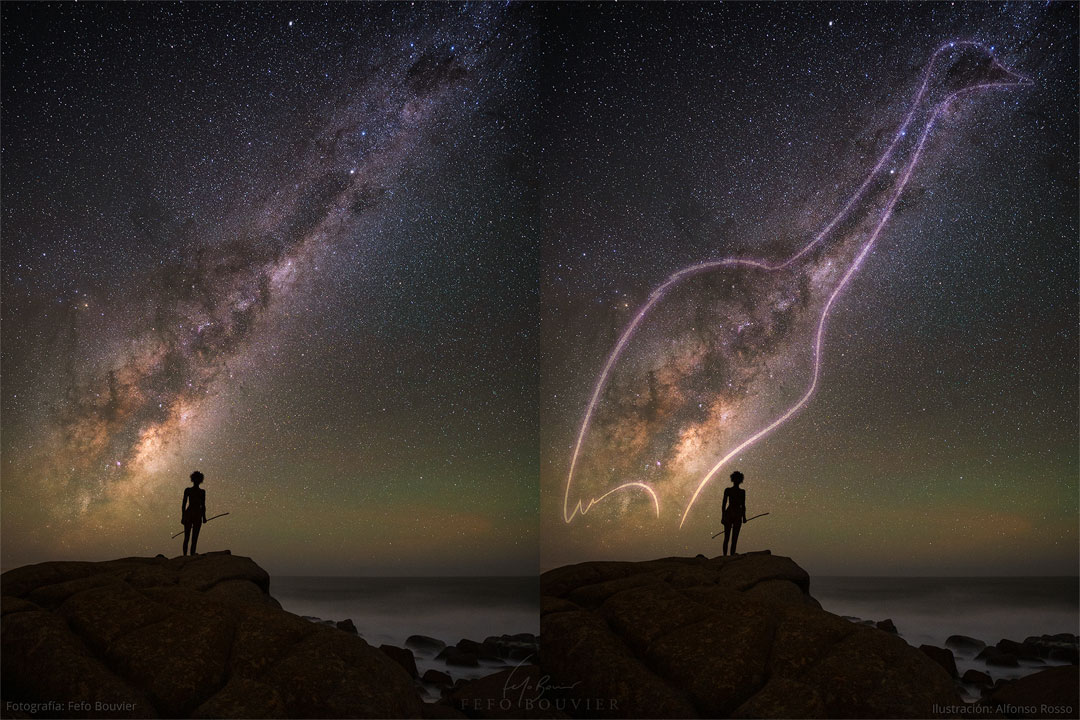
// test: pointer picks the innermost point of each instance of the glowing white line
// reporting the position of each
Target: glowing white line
(655, 296)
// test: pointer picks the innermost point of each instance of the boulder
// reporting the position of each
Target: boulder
(887, 625)
(1025, 650)
(183, 637)
(403, 657)
(455, 656)
(964, 644)
(977, 677)
(942, 657)
(731, 636)
(348, 626)
(994, 656)
(1058, 648)
(424, 643)
(1064, 654)
(520, 647)
(438, 678)
(1050, 693)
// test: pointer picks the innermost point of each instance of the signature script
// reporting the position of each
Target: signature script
(526, 690)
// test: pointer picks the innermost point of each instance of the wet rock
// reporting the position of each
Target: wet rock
(887, 625)
(1025, 650)
(1068, 655)
(424, 643)
(977, 677)
(348, 626)
(520, 647)
(994, 656)
(438, 678)
(455, 656)
(964, 644)
(1062, 647)
(942, 657)
(402, 657)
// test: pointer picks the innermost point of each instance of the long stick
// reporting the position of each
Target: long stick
(747, 520)
(207, 520)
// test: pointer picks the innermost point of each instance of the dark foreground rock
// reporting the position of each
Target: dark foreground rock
(724, 637)
(943, 657)
(977, 678)
(182, 637)
(1050, 693)
(403, 657)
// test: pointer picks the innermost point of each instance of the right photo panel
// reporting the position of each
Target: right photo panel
(808, 360)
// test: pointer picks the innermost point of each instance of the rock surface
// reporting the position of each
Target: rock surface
(977, 677)
(424, 643)
(183, 637)
(964, 644)
(943, 657)
(724, 637)
(1050, 693)
(403, 657)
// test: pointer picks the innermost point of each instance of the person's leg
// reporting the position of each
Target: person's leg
(195, 536)
(727, 532)
(187, 534)
(735, 536)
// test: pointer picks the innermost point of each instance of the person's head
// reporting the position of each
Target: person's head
(196, 478)
(736, 478)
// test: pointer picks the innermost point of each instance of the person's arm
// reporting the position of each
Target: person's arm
(183, 505)
(724, 503)
(204, 506)
(744, 506)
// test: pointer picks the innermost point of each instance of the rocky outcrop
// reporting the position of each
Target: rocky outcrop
(724, 637)
(182, 637)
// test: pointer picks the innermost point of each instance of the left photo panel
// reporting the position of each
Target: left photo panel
(269, 356)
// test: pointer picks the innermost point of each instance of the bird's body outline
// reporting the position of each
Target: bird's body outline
(581, 508)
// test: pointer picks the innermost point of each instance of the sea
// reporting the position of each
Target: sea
(387, 610)
(927, 610)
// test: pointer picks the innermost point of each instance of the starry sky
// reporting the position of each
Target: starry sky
(283, 245)
(941, 436)
(364, 265)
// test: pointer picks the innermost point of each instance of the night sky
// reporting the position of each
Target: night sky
(364, 266)
(941, 436)
(283, 245)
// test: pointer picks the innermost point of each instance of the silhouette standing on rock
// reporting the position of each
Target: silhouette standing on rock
(733, 511)
(193, 511)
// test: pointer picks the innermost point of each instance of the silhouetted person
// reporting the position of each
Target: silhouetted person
(733, 511)
(193, 511)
